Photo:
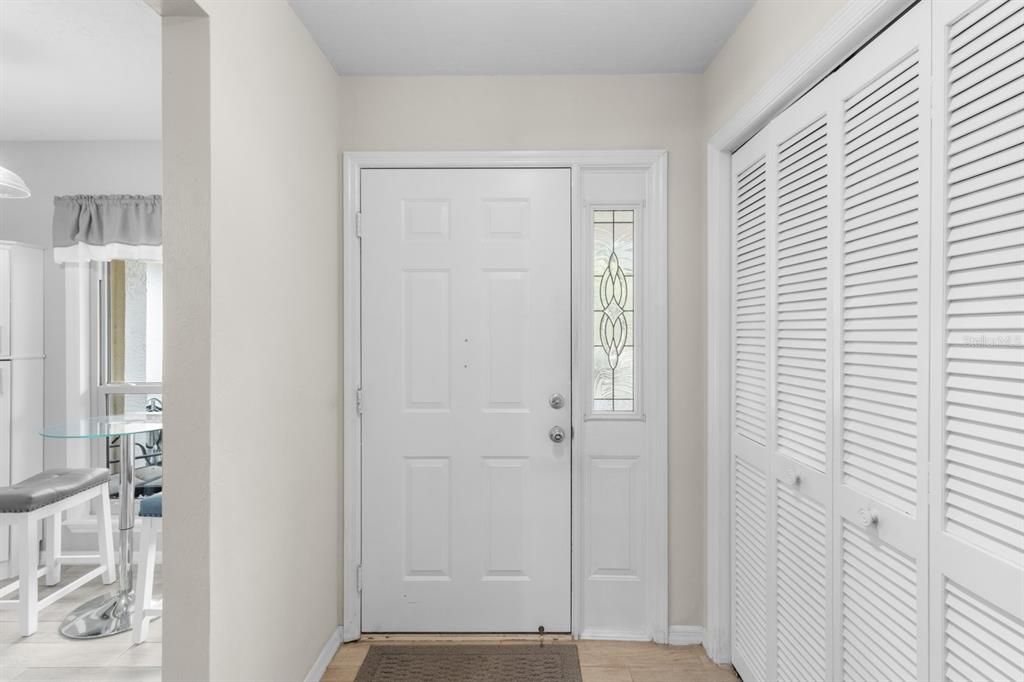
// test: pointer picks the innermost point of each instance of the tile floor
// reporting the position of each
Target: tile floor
(599, 661)
(47, 655)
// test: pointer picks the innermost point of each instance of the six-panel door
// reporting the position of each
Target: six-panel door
(466, 336)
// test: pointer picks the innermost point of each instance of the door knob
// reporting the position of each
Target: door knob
(556, 401)
(867, 517)
(790, 477)
(556, 434)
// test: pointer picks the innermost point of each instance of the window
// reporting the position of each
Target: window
(130, 358)
(131, 332)
(614, 329)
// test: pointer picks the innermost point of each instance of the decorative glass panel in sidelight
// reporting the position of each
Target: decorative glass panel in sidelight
(614, 313)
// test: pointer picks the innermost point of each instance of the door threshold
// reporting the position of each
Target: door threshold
(464, 637)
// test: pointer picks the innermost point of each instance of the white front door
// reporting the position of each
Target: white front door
(466, 337)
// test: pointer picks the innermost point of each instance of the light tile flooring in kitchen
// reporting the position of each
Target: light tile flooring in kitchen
(600, 661)
(47, 655)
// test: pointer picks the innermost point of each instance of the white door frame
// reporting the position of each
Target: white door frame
(854, 25)
(655, 352)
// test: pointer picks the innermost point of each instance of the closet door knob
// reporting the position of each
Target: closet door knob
(867, 517)
(789, 476)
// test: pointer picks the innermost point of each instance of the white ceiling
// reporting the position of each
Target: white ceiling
(90, 69)
(79, 70)
(511, 37)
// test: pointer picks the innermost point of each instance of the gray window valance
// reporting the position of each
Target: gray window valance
(109, 227)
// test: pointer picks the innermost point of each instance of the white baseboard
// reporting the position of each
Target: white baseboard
(614, 635)
(682, 635)
(326, 654)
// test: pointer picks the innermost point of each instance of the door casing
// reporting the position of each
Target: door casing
(654, 164)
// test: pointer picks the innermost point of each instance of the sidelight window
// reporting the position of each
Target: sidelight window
(614, 313)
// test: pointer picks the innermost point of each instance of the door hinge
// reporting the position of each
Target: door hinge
(359, 578)
(359, 225)
(359, 400)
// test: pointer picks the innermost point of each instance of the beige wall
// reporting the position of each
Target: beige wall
(186, 227)
(674, 112)
(771, 33)
(257, 368)
(767, 38)
(268, 556)
(581, 112)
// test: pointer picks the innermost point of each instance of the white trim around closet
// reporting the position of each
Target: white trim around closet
(854, 25)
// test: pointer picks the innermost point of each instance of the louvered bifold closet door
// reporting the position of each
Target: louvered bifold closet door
(752, 551)
(977, 484)
(881, 345)
(802, 141)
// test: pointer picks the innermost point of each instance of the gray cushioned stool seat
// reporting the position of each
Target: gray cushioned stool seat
(48, 487)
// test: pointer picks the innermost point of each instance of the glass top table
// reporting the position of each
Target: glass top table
(110, 614)
(106, 427)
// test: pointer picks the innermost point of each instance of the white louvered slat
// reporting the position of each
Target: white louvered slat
(879, 615)
(750, 557)
(753, 189)
(882, 314)
(895, 311)
(984, 267)
(801, 278)
(750, 299)
(983, 642)
(802, 139)
(881, 286)
(977, 559)
(803, 587)
(802, 200)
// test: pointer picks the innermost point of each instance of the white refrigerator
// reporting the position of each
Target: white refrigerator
(21, 372)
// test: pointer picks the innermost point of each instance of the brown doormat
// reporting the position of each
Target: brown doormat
(471, 663)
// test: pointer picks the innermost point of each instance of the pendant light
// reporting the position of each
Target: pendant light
(12, 186)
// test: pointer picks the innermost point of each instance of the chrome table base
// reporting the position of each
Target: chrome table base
(111, 614)
(108, 614)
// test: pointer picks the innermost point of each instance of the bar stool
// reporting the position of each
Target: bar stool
(45, 497)
(151, 518)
